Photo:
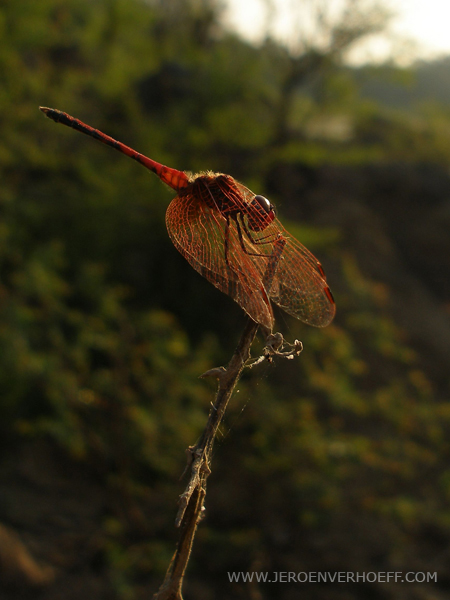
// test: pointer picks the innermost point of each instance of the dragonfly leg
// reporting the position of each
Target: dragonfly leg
(255, 242)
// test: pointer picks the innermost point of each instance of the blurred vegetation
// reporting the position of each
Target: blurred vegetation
(337, 461)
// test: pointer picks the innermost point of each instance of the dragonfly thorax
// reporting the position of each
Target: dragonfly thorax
(225, 195)
(218, 192)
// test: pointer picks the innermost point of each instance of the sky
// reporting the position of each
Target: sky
(421, 27)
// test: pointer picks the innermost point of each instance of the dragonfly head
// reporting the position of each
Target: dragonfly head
(260, 213)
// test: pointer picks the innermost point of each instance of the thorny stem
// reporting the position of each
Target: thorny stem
(199, 456)
(191, 501)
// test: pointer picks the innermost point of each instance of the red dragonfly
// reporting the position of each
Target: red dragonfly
(232, 237)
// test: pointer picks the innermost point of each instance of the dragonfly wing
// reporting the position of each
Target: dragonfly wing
(211, 244)
(299, 286)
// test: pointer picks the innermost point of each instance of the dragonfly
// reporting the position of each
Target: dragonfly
(233, 238)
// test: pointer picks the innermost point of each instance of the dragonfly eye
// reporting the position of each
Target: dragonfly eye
(261, 213)
(263, 203)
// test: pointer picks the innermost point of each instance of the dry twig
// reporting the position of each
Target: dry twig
(191, 503)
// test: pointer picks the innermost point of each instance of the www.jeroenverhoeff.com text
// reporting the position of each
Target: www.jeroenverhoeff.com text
(332, 577)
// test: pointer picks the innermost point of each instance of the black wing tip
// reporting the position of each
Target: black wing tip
(329, 295)
(332, 308)
(326, 316)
